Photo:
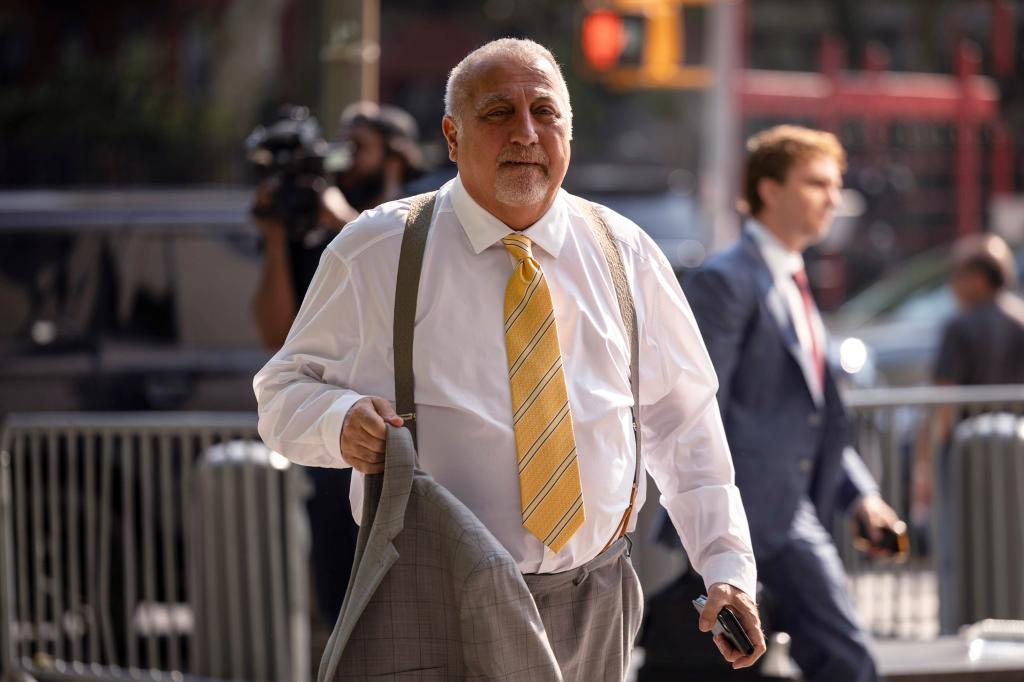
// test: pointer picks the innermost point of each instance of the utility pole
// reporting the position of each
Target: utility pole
(719, 167)
(350, 56)
(639, 44)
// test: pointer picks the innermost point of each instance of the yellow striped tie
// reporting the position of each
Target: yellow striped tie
(549, 474)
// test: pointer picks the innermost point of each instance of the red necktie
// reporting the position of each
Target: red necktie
(800, 277)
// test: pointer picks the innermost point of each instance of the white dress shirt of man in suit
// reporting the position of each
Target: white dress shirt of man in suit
(783, 415)
(326, 397)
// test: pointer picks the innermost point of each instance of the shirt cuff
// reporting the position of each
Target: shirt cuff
(331, 423)
(739, 574)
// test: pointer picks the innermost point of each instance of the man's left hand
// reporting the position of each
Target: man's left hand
(724, 594)
(875, 515)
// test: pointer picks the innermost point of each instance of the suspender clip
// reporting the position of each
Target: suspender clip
(408, 417)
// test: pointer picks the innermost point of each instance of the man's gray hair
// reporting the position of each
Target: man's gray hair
(520, 50)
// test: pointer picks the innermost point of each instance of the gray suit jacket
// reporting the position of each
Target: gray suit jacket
(432, 594)
(785, 447)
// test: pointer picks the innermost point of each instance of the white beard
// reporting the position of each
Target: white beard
(520, 186)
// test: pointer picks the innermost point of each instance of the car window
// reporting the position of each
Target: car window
(932, 303)
(919, 275)
(917, 290)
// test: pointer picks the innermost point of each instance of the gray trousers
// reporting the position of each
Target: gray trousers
(591, 614)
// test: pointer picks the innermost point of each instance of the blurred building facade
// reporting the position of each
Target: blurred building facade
(133, 97)
(120, 92)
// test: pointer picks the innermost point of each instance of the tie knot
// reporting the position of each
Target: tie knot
(519, 245)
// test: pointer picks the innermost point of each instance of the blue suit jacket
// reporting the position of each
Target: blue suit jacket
(785, 447)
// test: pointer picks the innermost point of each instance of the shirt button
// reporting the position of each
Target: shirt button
(814, 419)
(805, 465)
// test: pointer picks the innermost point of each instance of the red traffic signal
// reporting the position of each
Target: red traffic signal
(603, 38)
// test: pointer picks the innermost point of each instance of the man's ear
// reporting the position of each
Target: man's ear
(767, 189)
(451, 134)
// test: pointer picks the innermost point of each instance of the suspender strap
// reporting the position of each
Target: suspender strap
(627, 310)
(410, 263)
(407, 286)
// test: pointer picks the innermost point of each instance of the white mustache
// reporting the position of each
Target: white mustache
(524, 155)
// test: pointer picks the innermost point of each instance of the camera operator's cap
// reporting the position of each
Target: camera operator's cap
(401, 134)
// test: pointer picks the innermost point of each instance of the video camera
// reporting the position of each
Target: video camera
(293, 150)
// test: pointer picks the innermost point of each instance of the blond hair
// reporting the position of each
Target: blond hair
(771, 153)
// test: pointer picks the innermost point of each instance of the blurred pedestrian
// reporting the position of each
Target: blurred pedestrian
(382, 142)
(513, 262)
(983, 344)
(784, 419)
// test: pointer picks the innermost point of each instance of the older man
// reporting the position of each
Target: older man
(524, 406)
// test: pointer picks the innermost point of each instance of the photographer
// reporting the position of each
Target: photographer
(298, 212)
(382, 156)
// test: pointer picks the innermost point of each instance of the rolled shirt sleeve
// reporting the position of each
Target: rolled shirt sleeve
(685, 447)
(301, 391)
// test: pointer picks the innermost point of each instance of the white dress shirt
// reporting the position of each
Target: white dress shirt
(783, 264)
(340, 349)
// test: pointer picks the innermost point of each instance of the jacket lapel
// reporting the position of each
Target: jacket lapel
(385, 497)
(775, 302)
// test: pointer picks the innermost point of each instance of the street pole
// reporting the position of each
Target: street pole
(349, 56)
(719, 172)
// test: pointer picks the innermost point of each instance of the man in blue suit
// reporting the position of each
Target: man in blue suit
(784, 419)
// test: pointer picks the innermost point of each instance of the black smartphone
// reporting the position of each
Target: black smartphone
(727, 625)
(894, 540)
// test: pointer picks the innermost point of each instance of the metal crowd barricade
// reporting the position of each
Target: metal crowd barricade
(966, 559)
(151, 546)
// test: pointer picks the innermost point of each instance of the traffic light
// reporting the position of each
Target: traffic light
(646, 44)
(611, 39)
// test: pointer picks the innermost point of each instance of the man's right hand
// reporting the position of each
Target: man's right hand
(364, 433)
(745, 609)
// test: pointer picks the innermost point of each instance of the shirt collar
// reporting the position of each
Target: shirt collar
(781, 261)
(484, 230)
